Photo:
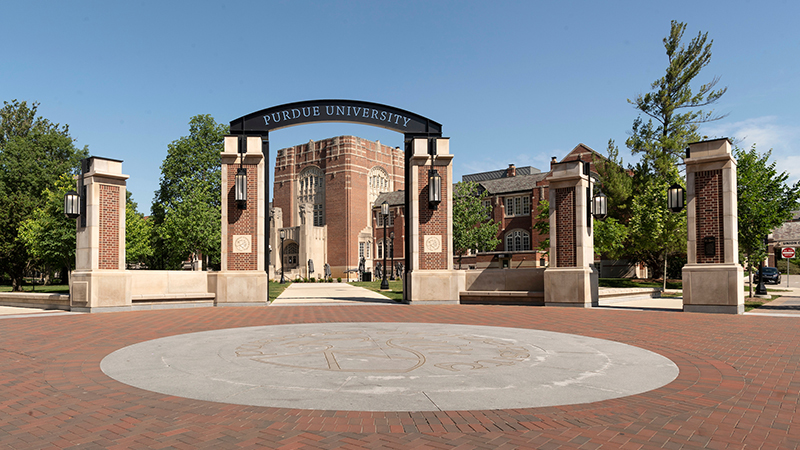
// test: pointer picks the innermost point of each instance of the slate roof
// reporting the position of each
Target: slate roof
(396, 198)
(508, 185)
(495, 174)
(789, 231)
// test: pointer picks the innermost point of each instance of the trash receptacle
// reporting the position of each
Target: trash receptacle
(366, 276)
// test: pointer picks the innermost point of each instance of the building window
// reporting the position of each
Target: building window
(377, 182)
(311, 189)
(518, 240)
(487, 206)
(518, 206)
(389, 219)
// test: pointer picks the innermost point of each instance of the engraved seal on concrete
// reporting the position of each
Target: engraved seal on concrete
(389, 367)
(242, 243)
(433, 243)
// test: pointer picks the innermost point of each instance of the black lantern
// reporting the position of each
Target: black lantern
(675, 198)
(241, 188)
(600, 206)
(434, 188)
(72, 205)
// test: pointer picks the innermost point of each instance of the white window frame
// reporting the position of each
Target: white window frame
(518, 206)
(517, 240)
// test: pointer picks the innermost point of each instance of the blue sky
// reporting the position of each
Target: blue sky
(511, 82)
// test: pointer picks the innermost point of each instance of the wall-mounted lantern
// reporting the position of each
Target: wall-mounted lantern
(72, 204)
(600, 206)
(75, 202)
(434, 189)
(675, 201)
(241, 188)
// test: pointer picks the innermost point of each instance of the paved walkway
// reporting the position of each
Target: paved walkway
(328, 294)
(787, 304)
(737, 386)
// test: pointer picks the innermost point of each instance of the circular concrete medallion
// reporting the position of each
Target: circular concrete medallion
(389, 367)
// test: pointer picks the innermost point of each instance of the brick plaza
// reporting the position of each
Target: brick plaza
(737, 388)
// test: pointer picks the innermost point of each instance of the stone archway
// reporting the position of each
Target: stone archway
(428, 244)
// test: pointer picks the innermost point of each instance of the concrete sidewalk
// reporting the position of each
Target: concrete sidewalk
(788, 305)
(329, 294)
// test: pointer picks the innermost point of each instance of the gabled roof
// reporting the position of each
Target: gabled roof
(495, 174)
(519, 183)
(396, 198)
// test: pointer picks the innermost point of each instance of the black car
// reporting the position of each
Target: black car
(771, 275)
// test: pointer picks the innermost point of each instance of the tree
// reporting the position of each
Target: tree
(34, 153)
(138, 235)
(673, 112)
(662, 142)
(655, 232)
(473, 226)
(542, 224)
(765, 202)
(189, 189)
(48, 234)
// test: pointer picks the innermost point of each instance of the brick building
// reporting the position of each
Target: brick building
(514, 195)
(322, 200)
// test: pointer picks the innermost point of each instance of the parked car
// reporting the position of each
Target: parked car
(771, 275)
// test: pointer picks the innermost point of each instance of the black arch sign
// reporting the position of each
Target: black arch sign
(352, 111)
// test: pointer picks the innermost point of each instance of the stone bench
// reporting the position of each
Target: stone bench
(35, 300)
(534, 298)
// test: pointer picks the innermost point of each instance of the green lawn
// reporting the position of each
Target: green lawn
(753, 303)
(276, 288)
(395, 291)
(49, 289)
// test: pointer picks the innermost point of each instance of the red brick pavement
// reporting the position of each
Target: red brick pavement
(737, 388)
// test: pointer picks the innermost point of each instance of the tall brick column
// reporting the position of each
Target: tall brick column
(243, 277)
(713, 280)
(430, 277)
(571, 279)
(100, 282)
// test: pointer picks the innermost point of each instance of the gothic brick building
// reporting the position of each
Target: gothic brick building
(323, 197)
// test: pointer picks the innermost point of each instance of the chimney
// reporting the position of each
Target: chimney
(553, 160)
(512, 171)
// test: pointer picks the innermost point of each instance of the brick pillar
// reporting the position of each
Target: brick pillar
(100, 282)
(713, 280)
(571, 279)
(430, 277)
(243, 277)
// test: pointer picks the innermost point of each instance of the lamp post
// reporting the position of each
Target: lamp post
(385, 214)
(283, 236)
(391, 255)
(761, 289)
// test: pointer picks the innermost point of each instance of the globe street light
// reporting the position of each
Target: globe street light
(385, 214)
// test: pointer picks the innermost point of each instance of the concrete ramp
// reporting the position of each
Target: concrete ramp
(329, 294)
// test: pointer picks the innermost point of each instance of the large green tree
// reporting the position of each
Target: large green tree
(189, 190)
(673, 107)
(669, 117)
(473, 226)
(765, 202)
(34, 153)
(138, 235)
(48, 234)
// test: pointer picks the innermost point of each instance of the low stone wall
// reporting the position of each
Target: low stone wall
(34, 300)
(529, 279)
(152, 285)
(524, 286)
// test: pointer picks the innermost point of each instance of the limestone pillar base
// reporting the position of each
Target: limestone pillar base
(100, 291)
(434, 286)
(241, 288)
(713, 288)
(571, 286)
